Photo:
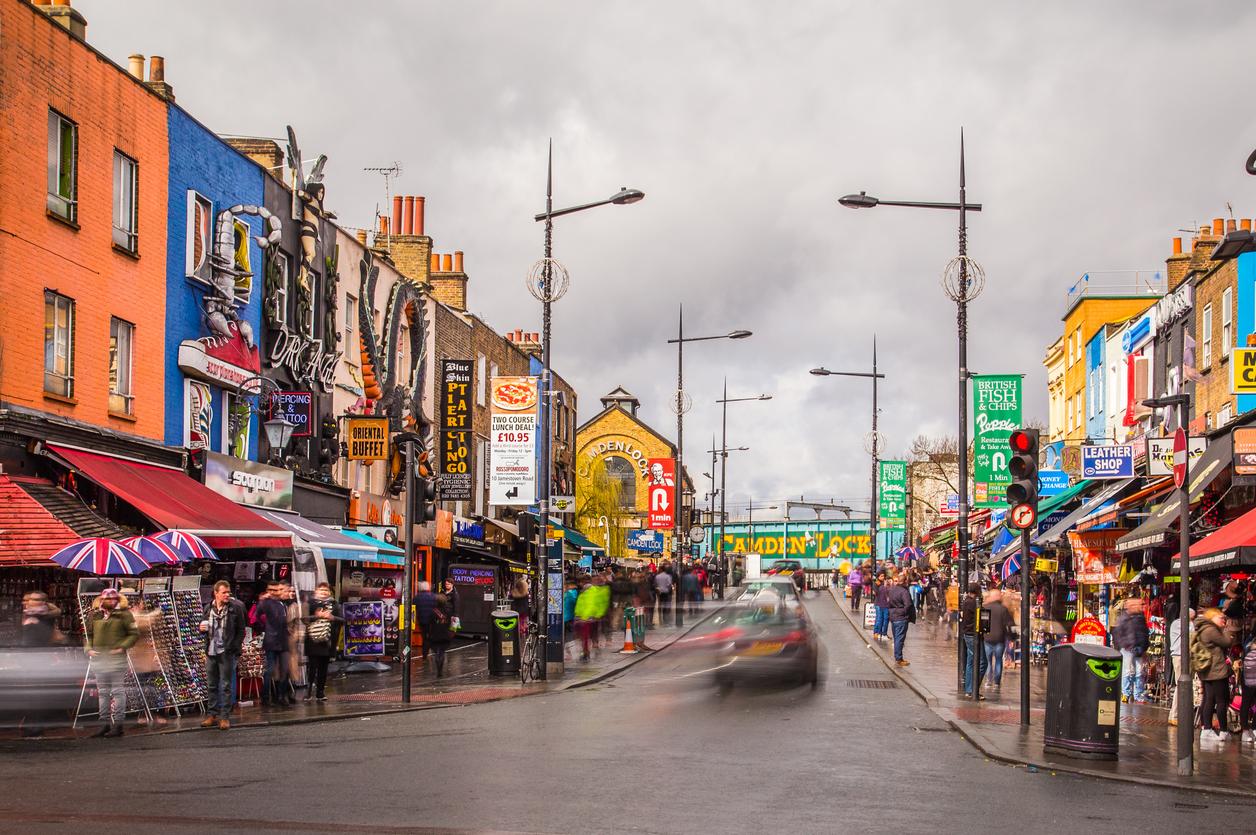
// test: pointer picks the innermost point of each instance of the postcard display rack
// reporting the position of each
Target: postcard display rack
(137, 702)
(177, 638)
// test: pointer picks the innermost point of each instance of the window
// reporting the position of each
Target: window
(1224, 416)
(121, 338)
(1069, 405)
(480, 365)
(1070, 349)
(243, 267)
(1227, 321)
(623, 473)
(352, 348)
(62, 166)
(199, 237)
(1205, 356)
(283, 265)
(58, 344)
(126, 184)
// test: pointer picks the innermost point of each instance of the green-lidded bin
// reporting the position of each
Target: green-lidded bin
(1083, 701)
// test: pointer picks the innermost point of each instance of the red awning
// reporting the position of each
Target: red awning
(175, 502)
(1229, 546)
(29, 534)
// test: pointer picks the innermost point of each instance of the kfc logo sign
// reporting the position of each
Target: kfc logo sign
(662, 476)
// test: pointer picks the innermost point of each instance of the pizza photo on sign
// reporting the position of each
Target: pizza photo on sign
(514, 395)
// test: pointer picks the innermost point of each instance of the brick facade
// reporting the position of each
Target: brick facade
(1215, 290)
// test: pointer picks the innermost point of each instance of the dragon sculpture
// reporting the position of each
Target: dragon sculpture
(398, 396)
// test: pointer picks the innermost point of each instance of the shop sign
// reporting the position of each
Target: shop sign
(467, 532)
(367, 438)
(512, 441)
(1071, 460)
(1244, 450)
(455, 455)
(248, 482)
(1243, 371)
(892, 495)
(1052, 482)
(364, 628)
(1046, 566)
(373, 510)
(1095, 559)
(1049, 521)
(650, 542)
(467, 575)
(304, 358)
(218, 360)
(1160, 454)
(637, 456)
(562, 504)
(996, 414)
(1174, 307)
(296, 407)
(444, 537)
(662, 492)
(1108, 461)
(1088, 630)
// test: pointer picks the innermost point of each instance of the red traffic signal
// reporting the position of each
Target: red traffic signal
(1022, 441)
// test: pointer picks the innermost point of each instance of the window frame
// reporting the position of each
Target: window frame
(58, 204)
(126, 237)
(351, 351)
(1205, 344)
(283, 263)
(121, 400)
(67, 379)
(198, 272)
(1227, 321)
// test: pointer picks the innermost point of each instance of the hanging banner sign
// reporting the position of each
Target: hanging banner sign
(996, 413)
(1243, 371)
(892, 495)
(1160, 454)
(1052, 482)
(295, 407)
(367, 438)
(1095, 559)
(1108, 461)
(650, 542)
(951, 506)
(1244, 450)
(455, 451)
(662, 476)
(514, 405)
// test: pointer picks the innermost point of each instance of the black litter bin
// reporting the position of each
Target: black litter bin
(503, 643)
(1083, 701)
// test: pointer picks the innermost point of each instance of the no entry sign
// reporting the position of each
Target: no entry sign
(1179, 457)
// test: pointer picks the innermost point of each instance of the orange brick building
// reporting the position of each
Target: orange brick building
(83, 188)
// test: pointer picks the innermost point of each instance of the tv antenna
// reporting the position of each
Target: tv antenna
(389, 172)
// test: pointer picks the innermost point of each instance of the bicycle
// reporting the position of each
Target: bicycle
(530, 659)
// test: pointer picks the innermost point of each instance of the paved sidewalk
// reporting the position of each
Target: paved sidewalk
(1147, 752)
(466, 681)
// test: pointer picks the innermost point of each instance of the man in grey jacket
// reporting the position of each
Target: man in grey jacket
(901, 613)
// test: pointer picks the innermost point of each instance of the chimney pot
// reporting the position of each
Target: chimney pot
(407, 215)
(383, 226)
(156, 67)
(1246, 224)
(434, 265)
(135, 66)
(361, 234)
(1177, 246)
(446, 263)
(518, 334)
(418, 215)
(396, 215)
(1230, 225)
(1218, 226)
(458, 261)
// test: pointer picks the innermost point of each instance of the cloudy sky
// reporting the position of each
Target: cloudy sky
(1094, 133)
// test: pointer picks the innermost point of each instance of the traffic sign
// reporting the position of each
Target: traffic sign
(1179, 457)
(1022, 516)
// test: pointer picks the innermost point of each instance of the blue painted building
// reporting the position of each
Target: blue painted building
(1245, 316)
(213, 289)
(1096, 418)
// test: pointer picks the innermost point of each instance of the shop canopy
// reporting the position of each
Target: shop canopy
(998, 537)
(1154, 532)
(334, 544)
(29, 534)
(172, 500)
(1230, 546)
(384, 552)
(576, 539)
(1105, 494)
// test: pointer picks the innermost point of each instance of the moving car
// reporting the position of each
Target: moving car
(766, 637)
(40, 683)
(780, 584)
(784, 568)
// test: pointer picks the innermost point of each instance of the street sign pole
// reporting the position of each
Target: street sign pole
(1186, 696)
(1025, 629)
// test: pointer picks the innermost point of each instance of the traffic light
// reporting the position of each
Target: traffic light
(425, 500)
(1023, 467)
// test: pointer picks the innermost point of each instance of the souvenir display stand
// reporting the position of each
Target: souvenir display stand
(89, 588)
(176, 647)
(185, 593)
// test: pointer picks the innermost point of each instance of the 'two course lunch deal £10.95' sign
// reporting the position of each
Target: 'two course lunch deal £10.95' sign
(513, 408)
(996, 414)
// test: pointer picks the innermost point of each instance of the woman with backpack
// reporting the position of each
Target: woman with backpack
(322, 625)
(1212, 638)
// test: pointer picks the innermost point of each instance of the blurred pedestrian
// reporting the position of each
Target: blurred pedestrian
(424, 609)
(717, 579)
(111, 631)
(270, 617)
(994, 642)
(439, 632)
(521, 602)
(322, 621)
(38, 628)
(1182, 678)
(591, 606)
(690, 591)
(881, 626)
(1131, 637)
(451, 594)
(901, 612)
(854, 581)
(975, 660)
(222, 624)
(643, 598)
(663, 587)
(295, 652)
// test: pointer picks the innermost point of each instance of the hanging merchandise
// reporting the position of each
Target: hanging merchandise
(186, 679)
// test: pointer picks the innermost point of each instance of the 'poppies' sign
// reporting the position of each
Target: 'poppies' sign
(996, 413)
(892, 495)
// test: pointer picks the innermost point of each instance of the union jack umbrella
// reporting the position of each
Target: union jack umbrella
(1011, 566)
(153, 550)
(101, 557)
(188, 546)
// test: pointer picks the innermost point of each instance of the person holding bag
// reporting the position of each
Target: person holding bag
(322, 628)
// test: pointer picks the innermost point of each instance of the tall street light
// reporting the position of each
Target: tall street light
(724, 401)
(680, 407)
(723, 452)
(548, 282)
(874, 439)
(963, 280)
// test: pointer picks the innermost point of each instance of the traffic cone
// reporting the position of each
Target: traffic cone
(630, 648)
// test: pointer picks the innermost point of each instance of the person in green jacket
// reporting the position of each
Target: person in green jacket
(591, 606)
(111, 632)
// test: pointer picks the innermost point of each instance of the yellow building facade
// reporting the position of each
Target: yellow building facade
(616, 446)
